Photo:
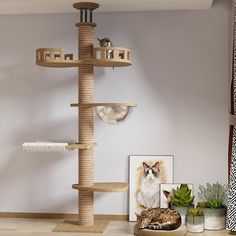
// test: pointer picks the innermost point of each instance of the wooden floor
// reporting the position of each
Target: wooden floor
(44, 227)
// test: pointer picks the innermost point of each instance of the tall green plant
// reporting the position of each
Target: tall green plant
(181, 196)
(213, 195)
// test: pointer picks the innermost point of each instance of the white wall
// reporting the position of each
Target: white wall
(178, 79)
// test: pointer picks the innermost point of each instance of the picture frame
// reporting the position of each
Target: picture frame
(146, 173)
(165, 200)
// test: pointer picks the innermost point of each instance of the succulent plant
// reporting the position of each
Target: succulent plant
(215, 203)
(195, 211)
(212, 195)
(202, 204)
(181, 196)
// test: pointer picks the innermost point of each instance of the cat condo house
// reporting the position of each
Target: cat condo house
(89, 57)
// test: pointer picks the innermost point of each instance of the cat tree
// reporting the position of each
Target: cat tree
(88, 58)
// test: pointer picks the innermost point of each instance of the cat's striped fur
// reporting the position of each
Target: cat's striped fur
(159, 219)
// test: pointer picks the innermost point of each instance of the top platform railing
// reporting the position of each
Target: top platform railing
(102, 57)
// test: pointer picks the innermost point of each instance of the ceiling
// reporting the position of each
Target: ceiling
(13, 7)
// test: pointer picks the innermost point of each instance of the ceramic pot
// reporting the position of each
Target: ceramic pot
(214, 218)
(195, 224)
(182, 210)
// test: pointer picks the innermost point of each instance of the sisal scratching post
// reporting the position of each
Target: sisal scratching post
(86, 131)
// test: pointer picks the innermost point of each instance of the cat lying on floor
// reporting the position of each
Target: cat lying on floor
(159, 219)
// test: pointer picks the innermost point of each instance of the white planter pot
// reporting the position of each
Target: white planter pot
(214, 218)
(182, 211)
(195, 224)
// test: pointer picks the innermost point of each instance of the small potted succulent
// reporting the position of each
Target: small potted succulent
(182, 200)
(213, 201)
(195, 220)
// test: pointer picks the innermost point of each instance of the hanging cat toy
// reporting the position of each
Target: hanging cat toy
(106, 42)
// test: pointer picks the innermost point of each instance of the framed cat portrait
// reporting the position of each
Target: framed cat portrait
(146, 173)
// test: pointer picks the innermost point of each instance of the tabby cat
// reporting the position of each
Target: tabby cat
(159, 219)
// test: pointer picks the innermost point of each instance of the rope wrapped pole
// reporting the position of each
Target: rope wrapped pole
(86, 120)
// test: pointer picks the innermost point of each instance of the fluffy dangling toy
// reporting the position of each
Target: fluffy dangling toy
(106, 42)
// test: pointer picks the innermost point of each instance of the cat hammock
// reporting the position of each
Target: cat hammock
(88, 58)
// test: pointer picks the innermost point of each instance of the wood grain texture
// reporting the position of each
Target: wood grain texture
(65, 216)
(108, 104)
(103, 187)
(44, 227)
(78, 63)
(58, 64)
(85, 5)
(99, 226)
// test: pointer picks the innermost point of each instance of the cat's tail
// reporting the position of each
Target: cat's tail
(154, 227)
(170, 227)
(164, 226)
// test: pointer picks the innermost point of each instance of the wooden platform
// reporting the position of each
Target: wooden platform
(57, 64)
(72, 226)
(105, 104)
(102, 57)
(103, 187)
(85, 5)
(77, 63)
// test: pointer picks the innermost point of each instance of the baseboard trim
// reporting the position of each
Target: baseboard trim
(64, 216)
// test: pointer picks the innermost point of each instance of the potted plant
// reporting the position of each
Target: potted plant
(213, 198)
(195, 220)
(182, 200)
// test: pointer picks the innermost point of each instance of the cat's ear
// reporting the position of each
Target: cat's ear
(99, 39)
(166, 193)
(156, 165)
(145, 165)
